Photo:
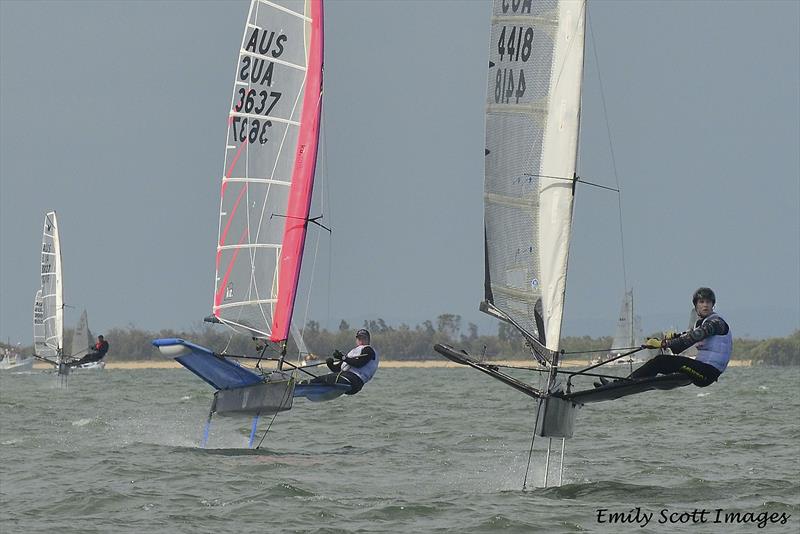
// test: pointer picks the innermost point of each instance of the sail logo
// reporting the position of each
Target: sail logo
(517, 6)
(229, 291)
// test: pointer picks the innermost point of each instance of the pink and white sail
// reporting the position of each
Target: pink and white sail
(270, 160)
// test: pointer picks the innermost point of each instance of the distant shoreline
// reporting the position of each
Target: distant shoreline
(388, 364)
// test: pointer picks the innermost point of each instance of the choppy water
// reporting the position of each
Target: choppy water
(419, 450)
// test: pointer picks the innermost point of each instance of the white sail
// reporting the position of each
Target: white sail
(81, 338)
(52, 293)
(628, 333)
(532, 122)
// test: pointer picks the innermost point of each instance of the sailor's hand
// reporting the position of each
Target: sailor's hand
(329, 360)
(653, 343)
(338, 355)
(671, 334)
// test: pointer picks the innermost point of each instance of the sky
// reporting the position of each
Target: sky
(113, 114)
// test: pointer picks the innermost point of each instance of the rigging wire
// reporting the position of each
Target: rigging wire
(285, 399)
(611, 150)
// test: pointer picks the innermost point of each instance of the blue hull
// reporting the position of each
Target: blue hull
(222, 373)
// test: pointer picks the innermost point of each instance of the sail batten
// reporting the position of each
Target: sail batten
(285, 9)
(269, 58)
(264, 117)
(258, 181)
(532, 114)
(270, 156)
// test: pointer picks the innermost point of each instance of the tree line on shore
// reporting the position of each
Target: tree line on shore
(404, 342)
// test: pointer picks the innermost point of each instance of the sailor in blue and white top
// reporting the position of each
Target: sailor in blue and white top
(356, 368)
(712, 337)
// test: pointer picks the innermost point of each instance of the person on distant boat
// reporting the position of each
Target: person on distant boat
(354, 369)
(711, 335)
(100, 350)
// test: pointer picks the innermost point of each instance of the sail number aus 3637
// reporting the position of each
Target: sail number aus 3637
(506, 87)
(248, 99)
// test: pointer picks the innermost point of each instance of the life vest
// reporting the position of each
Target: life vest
(366, 372)
(715, 350)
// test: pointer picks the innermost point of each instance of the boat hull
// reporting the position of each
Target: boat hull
(239, 389)
(25, 364)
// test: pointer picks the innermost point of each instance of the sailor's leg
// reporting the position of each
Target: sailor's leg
(702, 374)
(661, 364)
(329, 378)
(353, 380)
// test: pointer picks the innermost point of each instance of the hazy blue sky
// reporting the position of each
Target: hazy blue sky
(113, 114)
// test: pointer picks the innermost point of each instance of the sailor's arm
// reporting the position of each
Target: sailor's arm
(335, 365)
(713, 327)
(367, 355)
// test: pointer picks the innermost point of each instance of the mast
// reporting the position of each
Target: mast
(305, 161)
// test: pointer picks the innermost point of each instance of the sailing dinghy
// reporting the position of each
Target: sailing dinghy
(627, 335)
(48, 309)
(14, 361)
(536, 52)
(82, 345)
(269, 171)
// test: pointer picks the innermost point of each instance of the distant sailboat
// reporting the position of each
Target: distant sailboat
(81, 345)
(11, 359)
(628, 334)
(48, 307)
(270, 161)
(533, 103)
(17, 361)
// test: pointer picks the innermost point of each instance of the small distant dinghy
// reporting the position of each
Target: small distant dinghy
(82, 345)
(627, 336)
(12, 361)
(269, 170)
(536, 52)
(48, 308)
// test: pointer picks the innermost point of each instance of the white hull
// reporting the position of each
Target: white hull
(16, 364)
(89, 366)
